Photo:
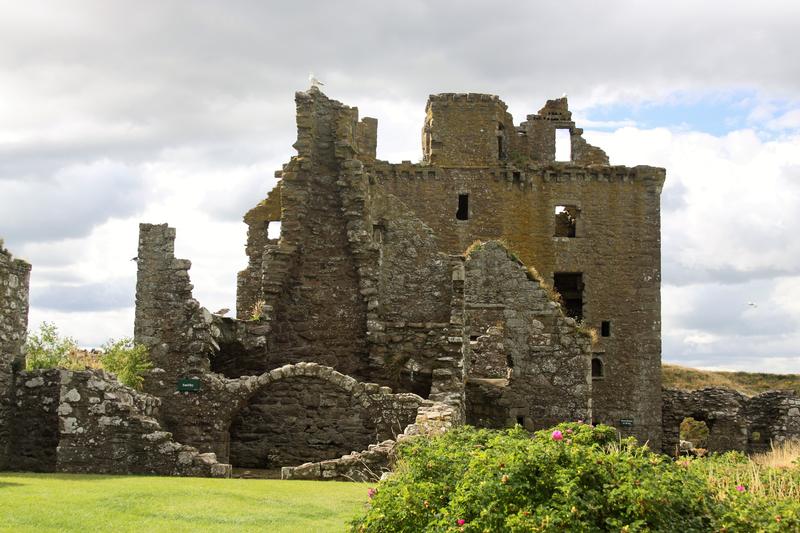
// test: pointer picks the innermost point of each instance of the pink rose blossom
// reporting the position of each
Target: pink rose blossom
(461, 521)
(371, 492)
(740, 488)
(557, 435)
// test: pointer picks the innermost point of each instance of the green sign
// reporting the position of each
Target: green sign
(626, 422)
(188, 385)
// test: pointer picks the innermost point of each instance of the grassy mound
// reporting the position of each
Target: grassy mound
(749, 383)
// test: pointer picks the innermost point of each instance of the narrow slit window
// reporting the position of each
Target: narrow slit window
(463, 207)
(501, 151)
(597, 367)
(274, 230)
(570, 286)
(605, 328)
(563, 145)
(566, 221)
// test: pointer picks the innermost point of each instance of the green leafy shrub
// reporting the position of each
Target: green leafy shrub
(574, 477)
(127, 360)
(46, 348)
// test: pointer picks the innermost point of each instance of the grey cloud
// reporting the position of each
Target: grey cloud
(117, 294)
(71, 203)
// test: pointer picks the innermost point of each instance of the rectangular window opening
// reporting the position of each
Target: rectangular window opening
(517, 176)
(605, 328)
(274, 229)
(520, 420)
(566, 221)
(377, 233)
(597, 368)
(570, 286)
(563, 145)
(463, 207)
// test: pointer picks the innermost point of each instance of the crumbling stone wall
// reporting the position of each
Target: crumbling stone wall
(34, 424)
(735, 421)
(87, 422)
(14, 280)
(311, 419)
(548, 357)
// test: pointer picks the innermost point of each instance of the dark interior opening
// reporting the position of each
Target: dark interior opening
(500, 146)
(520, 420)
(566, 220)
(463, 207)
(570, 286)
(517, 176)
(605, 328)
(597, 367)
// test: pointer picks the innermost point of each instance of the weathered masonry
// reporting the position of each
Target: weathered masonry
(366, 246)
(510, 277)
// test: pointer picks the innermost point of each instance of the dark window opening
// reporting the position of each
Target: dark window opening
(605, 328)
(570, 286)
(473, 338)
(566, 221)
(431, 174)
(597, 368)
(520, 420)
(377, 233)
(418, 174)
(501, 152)
(463, 207)
(517, 176)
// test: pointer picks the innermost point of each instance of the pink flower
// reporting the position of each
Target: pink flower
(740, 488)
(371, 492)
(557, 435)
(569, 431)
(461, 521)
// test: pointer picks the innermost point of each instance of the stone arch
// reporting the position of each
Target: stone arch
(722, 411)
(307, 412)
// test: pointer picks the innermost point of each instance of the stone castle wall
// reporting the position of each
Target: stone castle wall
(616, 249)
(547, 357)
(14, 281)
(87, 422)
(734, 421)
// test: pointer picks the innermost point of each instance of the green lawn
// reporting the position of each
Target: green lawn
(64, 502)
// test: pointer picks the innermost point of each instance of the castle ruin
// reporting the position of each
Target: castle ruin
(492, 284)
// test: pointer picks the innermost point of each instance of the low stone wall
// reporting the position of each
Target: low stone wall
(735, 421)
(34, 425)
(87, 422)
(433, 418)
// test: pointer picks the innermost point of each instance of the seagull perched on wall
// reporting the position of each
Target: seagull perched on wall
(314, 81)
(222, 312)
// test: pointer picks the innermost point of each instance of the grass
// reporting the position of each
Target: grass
(749, 383)
(67, 502)
(774, 475)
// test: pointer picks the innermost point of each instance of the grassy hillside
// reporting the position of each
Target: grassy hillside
(749, 383)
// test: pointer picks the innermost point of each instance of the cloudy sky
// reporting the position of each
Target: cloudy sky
(113, 112)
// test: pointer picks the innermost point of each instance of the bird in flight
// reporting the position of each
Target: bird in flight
(222, 312)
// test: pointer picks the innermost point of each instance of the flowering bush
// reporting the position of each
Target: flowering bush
(574, 477)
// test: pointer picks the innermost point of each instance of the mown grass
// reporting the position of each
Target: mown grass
(749, 383)
(63, 502)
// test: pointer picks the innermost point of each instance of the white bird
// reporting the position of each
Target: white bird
(314, 81)
(222, 312)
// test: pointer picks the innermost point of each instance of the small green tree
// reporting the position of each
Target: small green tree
(129, 361)
(46, 349)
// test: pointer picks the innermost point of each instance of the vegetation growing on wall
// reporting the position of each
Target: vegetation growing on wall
(46, 348)
(749, 383)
